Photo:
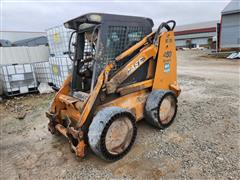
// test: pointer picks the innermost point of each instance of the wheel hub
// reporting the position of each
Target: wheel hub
(167, 109)
(119, 135)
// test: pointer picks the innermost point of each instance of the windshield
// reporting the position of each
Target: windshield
(95, 48)
(84, 57)
(89, 52)
(120, 38)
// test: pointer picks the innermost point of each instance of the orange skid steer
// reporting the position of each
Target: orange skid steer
(122, 73)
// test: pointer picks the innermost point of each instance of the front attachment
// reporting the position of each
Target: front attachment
(112, 133)
(75, 136)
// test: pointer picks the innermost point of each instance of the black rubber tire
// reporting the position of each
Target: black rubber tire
(99, 127)
(152, 106)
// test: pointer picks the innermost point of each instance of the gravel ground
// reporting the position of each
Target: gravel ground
(203, 142)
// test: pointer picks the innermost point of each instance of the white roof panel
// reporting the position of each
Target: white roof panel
(201, 25)
(232, 7)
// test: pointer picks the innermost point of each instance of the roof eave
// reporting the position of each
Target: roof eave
(231, 12)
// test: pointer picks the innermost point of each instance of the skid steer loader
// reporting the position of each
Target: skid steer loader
(122, 73)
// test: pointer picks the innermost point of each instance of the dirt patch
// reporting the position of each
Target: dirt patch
(202, 143)
(146, 169)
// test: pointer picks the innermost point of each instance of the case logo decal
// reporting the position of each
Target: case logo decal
(136, 65)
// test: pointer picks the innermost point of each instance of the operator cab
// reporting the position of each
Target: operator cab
(99, 38)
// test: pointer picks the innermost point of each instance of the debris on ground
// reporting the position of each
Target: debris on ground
(44, 88)
(235, 55)
(21, 115)
(223, 55)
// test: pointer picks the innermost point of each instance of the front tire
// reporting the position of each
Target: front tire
(112, 133)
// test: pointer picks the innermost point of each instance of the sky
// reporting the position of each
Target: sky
(36, 15)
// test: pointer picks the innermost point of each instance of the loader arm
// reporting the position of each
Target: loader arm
(145, 55)
(93, 96)
(165, 72)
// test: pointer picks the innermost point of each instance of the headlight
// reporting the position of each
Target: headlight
(95, 18)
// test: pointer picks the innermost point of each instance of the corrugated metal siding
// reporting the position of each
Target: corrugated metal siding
(200, 41)
(230, 32)
(38, 54)
(14, 55)
(197, 41)
(180, 43)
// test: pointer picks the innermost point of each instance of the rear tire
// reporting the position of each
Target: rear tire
(161, 108)
(112, 133)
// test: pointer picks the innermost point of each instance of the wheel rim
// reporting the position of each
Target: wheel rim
(167, 109)
(119, 135)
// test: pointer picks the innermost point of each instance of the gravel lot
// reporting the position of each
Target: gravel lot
(203, 142)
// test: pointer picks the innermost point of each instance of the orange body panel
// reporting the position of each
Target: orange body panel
(64, 90)
(134, 102)
(166, 69)
(135, 87)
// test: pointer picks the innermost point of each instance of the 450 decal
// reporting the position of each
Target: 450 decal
(133, 67)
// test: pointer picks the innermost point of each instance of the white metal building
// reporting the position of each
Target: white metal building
(230, 26)
(197, 34)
